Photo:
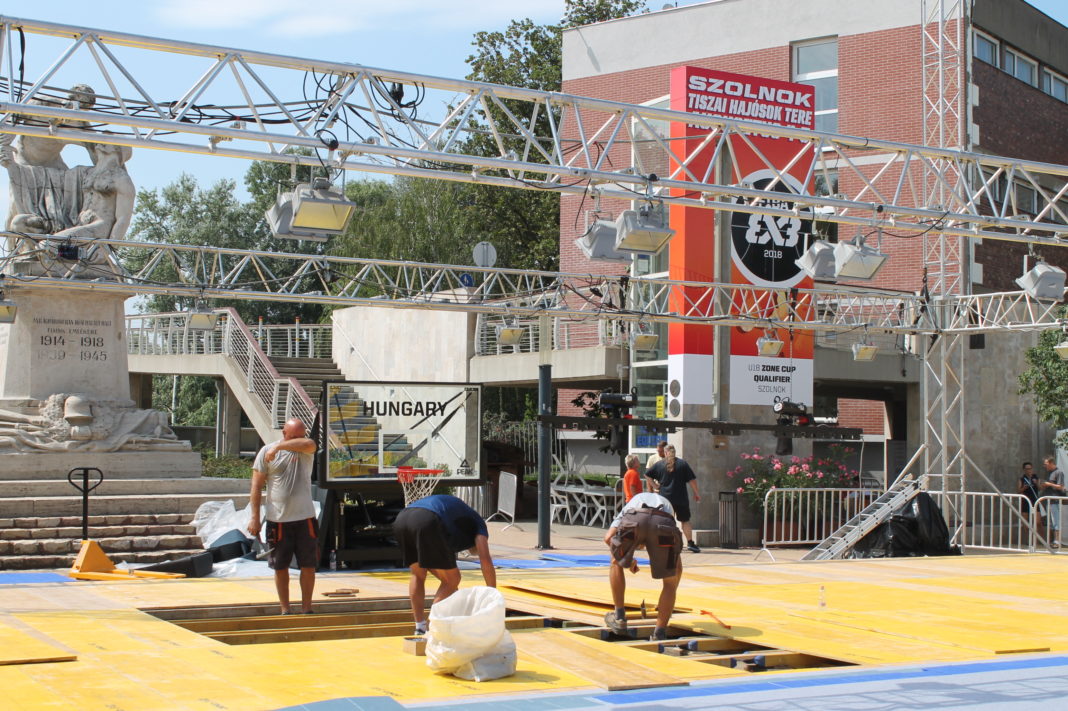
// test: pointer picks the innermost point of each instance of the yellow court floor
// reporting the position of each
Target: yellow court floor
(90, 645)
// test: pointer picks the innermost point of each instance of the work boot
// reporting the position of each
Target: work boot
(692, 547)
(659, 634)
(617, 625)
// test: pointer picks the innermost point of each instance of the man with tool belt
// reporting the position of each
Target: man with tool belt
(430, 532)
(285, 467)
(648, 521)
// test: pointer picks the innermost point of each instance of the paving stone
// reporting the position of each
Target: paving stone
(5, 549)
(7, 522)
(10, 534)
(49, 522)
(139, 520)
(169, 518)
(24, 547)
(26, 523)
(57, 545)
(116, 544)
(146, 543)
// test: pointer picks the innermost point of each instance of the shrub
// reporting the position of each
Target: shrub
(760, 473)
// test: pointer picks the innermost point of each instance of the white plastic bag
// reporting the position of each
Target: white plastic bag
(212, 519)
(465, 626)
(499, 662)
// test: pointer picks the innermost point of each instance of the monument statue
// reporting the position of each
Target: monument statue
(83, 203)
(64, 375)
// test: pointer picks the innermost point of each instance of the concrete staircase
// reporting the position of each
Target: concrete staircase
(309, 372)
(135, 520)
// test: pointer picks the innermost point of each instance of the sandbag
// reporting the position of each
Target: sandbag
(464, 627)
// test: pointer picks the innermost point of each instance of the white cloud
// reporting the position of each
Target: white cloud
(332, 17)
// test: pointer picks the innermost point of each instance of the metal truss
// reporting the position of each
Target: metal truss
(945, 44)
(216, 272)
(256, 105)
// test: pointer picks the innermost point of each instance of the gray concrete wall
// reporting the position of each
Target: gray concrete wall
(722, 27)
(1002, 429)
(416, 345)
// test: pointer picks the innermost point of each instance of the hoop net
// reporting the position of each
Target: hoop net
(417, 483)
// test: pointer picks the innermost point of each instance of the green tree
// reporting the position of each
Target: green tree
(184, 213)
(1046, 378)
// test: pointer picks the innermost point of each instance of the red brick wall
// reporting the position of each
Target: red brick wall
(869, 415)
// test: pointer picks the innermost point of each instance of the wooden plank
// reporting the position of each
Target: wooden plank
(204, 612)
(592, 660)
(23, 647)
(313, 632)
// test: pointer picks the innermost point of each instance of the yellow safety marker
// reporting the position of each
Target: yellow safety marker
(93, 563)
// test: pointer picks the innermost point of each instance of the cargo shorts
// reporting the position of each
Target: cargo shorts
(656, 530)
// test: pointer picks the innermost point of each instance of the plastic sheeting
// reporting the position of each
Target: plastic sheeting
(918, 530)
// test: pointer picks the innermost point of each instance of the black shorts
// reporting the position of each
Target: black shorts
(293, 537)
(422, 539)
(656, 530)
(682, 509)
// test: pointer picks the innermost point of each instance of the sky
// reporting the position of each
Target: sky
(422, 36)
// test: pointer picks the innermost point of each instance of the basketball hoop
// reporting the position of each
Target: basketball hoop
(417, 483)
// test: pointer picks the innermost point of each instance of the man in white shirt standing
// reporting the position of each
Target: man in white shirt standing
(648, 521)
(292, 529)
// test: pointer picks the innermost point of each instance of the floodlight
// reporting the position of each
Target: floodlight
(599, 242)
(510, 334)
(8, 309)
(1062, 349)
(641, 232)
(644, 341)
(769, 346)
(1043, 282)
(311, 212)
(856, 260)
(201, 318)
(864, 351)
(818, 260)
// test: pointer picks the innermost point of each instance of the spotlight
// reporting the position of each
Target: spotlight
(856, 260)
(510, 334)
(599, 242)
(1062, 349)
(311, 212)
(769, 346)
(818, 260)
(201, 318)
(8, 309)
(642, 231)
(1043, 282)
(644, 341)
(864, 351)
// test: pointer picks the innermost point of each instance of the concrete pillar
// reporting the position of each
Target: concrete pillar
(228, 426)
(141, 390)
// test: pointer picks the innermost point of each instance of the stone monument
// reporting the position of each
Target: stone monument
(64, 375)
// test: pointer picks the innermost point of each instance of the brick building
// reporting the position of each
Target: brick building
(865, 61)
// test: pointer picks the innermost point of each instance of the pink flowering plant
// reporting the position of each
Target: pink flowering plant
(759, 473)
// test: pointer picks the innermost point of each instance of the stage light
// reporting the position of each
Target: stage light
(641, 231)
(856, 260)
(510, 334)
(864, 351)
(201, 318)
(768, 345)
(8, 309)
(599, 242)
(1043, 282)
(644, 341)
(818, 260)
(311, 212)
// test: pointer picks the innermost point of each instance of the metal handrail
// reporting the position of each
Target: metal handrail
(169, 334)
(803, 516)
(996, 521)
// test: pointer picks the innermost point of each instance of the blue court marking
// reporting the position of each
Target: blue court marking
(24, 578)
(587, 560)
(859, 677)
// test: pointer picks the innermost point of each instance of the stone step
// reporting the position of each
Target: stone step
(121, 487)
(169, 519)
(37, 533)
(49, 506)
(121, 544)
(114, 465)
(66, 560)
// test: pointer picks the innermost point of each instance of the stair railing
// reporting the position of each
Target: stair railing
(169, 334)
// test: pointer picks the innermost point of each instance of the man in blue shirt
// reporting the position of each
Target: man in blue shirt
(430, 532)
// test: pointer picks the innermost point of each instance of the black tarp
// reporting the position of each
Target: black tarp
(918, 529)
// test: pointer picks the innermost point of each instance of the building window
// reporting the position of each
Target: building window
(1055, 85)
(816, 65)
(986, 48)
(1020, 67)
